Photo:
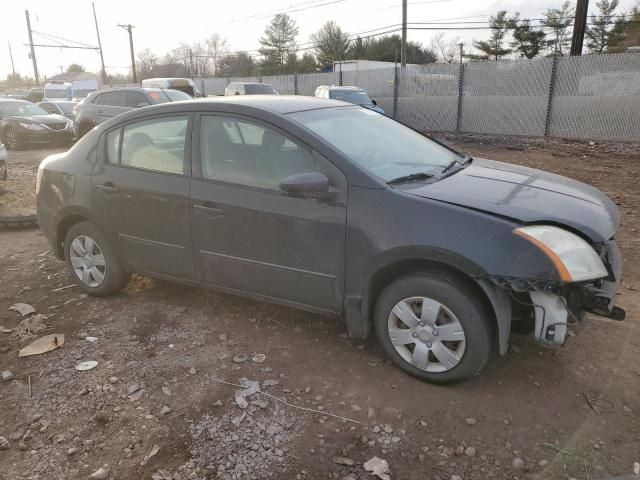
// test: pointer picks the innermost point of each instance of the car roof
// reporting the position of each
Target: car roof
(345, 87)
(130, 89)
(282, 104)
(13, 100)
(249, 83)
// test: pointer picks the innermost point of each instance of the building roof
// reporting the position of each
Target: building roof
(71, 76)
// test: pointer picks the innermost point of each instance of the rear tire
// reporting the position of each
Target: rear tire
(92, 262)
(434, 327)
(12, 139)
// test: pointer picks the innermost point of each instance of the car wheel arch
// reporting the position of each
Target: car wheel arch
(65, 220)
(486, 293)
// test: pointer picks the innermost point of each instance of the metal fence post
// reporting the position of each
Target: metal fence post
(552, 85)
(460, 93)
(396, 82)
(295, 84)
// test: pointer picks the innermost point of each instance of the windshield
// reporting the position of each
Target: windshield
(376, 143)
(259, 89)
(176, 95)
(20, 109)
(82, 92)
(359, 97)
(55, 93)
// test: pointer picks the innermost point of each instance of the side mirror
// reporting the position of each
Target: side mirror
(310, 184)
(375, 104)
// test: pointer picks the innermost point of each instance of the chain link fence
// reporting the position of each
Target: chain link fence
(588, 97)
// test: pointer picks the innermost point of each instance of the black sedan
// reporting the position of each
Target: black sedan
(22, 123)
(335, 209)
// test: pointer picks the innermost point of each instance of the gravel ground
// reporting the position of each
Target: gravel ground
(163, 350)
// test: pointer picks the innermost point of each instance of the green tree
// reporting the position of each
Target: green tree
(527, 41)
(277, 43)
(239, 64)
(601, 34)
(358, 48)
(387, 49)
(306, 64)
(331, 44)
(495, 47)
(75, 68)
(558, 21)
(627, 31)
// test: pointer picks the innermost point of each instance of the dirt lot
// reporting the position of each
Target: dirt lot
(533, 414)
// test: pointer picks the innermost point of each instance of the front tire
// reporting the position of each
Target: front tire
(434, 327)
(92, 262)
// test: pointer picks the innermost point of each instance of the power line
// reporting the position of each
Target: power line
(299, 7)
(52, 37)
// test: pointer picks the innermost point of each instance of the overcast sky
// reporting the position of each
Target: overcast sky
(161, 26)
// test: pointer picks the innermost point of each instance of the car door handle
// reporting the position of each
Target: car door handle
(107, 187)
(208, 208)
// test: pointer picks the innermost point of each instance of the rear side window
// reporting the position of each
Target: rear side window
(114, 99)
(156, 144)
(137, 100)
(97, 100)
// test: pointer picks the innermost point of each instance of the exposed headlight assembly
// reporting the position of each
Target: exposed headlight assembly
(31, 126)
(574, 259)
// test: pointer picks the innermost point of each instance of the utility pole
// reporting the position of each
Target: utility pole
(129, 28)
(461, 45)
(33, 51)
(579, 27)
(403, 44)
(13, 68)
(103, 73)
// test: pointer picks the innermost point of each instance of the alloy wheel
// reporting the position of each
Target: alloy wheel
(426, 334)
(87, 261)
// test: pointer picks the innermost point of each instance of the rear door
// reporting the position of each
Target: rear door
(247, 234)
(111, 104)
(141, 193)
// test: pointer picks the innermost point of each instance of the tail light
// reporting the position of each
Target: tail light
(75, 109)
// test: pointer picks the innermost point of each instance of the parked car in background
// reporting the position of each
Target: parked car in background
(82, 88)
(17, 93)
(273, 198)
(59, 107)
(58, 91)
(185, 85)
(23, 123)
(349, 94)
(249, 88)
(105, 104)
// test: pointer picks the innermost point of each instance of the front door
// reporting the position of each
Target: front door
(247, 234)
(141, 193)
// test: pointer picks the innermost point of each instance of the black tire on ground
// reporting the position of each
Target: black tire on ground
(461, 300)
(12, 140)
(115, 276)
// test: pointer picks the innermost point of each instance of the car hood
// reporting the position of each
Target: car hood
(41, 119)
(526, 195)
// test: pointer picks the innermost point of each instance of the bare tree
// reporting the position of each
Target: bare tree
(145, 61)
(445, 48)
(194, 57)
(217, 47)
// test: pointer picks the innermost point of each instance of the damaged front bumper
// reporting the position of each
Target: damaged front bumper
(555, 309)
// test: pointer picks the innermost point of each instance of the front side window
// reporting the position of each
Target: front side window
(377, 143)
(247, 153)
(20, 109)
(156, 144)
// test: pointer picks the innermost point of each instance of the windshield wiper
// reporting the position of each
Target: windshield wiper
(411, 177)
(453, 163)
